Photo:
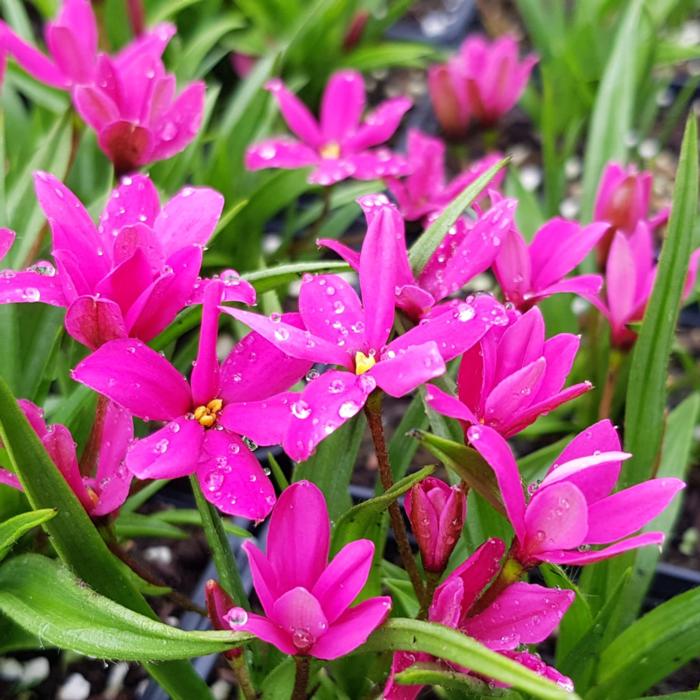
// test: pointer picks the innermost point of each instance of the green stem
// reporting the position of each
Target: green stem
(229, 577)
(606, 400)
(431, 583)
(240, 670)
(301, 681)
(373, 411)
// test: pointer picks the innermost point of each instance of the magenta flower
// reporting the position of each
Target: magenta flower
(481, 82)
(629, 281)
(305, 598)
(72, 41)
(342, 330)
(106, 491)
(511, 377)
(133, 107)
(339, 145)
(572, 510)
(468, 249)
(523, 613)
(130, 275)
(205, 417)
(528, 273)
(437, 513)
(424, 190)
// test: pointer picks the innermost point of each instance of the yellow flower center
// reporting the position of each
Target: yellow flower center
(363, 363)
(206, 415)
(331, 150)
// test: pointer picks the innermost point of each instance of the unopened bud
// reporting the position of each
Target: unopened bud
(219, 603)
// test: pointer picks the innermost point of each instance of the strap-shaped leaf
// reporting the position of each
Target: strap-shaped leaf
(42, 596)
(646, 393)
(11, 530)
(401, 634)
(430, 239)
(650, 649)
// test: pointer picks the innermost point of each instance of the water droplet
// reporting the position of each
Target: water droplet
(301, 409)
(237, 617)
(348, 409)
(302, 639)
(161, 447)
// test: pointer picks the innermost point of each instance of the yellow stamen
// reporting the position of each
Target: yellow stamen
(363, 363)
(206, 415)
(92, 494)
(331, 150)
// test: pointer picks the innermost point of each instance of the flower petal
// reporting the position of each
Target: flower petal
(169, 453)
(629, 510)
(127, 145)
(352, 628)
(7, 478)
(332, 310)
(344, 578)
(342, 105)
(279, 153)
(189, 218)
(297, 609)
(179, 124)
(296, 114)
(494, 449)
(32, 60)
(264, 577)
(521, 343)
(524, 613)
(399, 373)
(350, 256)
(583, 557)
(265, 422)
(379, 125)
(268, 631)
(448, 405)
(512, 267)
(93, 321)
(30, 287)
(95, 106)
(60, 446)
(325, 404)
(137, 378)
(299, 536)
(232, 479)
(205, 372)
(7, 238)
(379, 163)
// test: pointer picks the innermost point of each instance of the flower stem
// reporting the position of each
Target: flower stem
(217, 540)
(301, 680)
(240, 670)
(611, 378)
(373, 411)
(432, 580)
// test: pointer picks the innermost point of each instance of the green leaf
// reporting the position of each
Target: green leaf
(646, 393)
(75, 538)
(188, 516)
(400, 634)
(386, 54)
(466, 463)
(42, 596)
(675, 461)
(273, 277)
(613, 110)
(130, 525)
(16, 638)
(469, 687)
(331, 466)
(650, 649)
(354, 523)
(11, 530)
(431, 238)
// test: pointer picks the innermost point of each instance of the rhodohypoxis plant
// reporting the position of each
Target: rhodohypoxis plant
(424, 190)
(106, 487)
(572, 509)
(522, 613)
(129, 275)
(511, 376)
(307, 600)
(468, 248)
(479, 84)
(343, 330)
(205, 417)
(630, 272)
(528, 273)
(341, 144)
(72, 41)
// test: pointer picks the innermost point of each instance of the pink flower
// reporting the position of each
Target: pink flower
(218, 604)
(482, 82)
(133, 107)
(468, 249)
(130, 275)
(72, 42)
(528, 273)
(511, 377)
(572, 510)
(205, 416)
(107, 490)
(339, 145)
(629, 281)
(424, 190)
(307, 600)
(523, 613)
(342, 330)
(436, 512)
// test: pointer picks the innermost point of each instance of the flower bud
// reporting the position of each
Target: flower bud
(437, 513)
(218, 604)
(445, 101)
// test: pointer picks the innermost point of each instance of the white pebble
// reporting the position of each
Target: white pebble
(75, 688)
(158, 555)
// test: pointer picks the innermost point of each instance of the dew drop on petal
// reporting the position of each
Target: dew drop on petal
(301, 409)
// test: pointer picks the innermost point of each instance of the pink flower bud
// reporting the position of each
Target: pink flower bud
(445, 101)
(436, 512)
(623, 197)
(218, 604)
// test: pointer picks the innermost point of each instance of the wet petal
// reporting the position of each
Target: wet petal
(279, 153)
(400, 372)
(379, 125)
(342, 105)
(93, 321)
(296, 114)
(265, 422)
(448, 405)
